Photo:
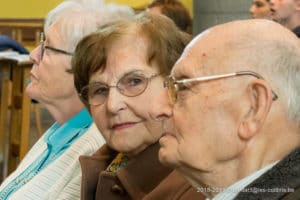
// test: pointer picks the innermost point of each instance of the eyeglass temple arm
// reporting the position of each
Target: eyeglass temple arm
(239, 73)
(59, 50)
(41, 37)
(207, 78)
(274, 95)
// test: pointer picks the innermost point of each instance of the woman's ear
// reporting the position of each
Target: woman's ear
(260, 98)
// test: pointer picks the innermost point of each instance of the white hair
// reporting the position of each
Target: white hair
(274, 51)
(78, 18)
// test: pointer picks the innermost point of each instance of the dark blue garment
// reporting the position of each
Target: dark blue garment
(297, 31)
(9, 43)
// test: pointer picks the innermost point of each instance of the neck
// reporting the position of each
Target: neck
(208, 181)
(271, 144)
(293, 22)
(63, 110)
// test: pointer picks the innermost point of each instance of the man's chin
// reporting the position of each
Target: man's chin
(167, 158)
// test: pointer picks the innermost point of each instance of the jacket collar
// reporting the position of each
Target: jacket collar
(282, 179)
(140, 176)
(91, 166)
(143, 172)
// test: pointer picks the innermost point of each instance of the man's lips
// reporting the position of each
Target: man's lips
(168, 134)
(123, 125)
(273, 11)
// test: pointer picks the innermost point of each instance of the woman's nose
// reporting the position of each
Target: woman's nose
(115, 101)
(35, 55)
(161, 107)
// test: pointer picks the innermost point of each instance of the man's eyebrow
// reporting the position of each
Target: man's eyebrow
(180, 77)
(177, 75)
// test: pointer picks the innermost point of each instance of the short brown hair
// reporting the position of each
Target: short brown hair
(176, 11)
(165, 44)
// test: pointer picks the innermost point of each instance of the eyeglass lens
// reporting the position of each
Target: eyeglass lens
(130, 85)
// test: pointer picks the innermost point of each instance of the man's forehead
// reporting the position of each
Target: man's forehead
(190, 58)
(198, 38)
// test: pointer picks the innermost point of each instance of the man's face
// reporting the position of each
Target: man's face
(283, 10)
(206, 114)
(260, 9)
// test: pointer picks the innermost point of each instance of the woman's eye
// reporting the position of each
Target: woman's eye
(100, 91)
(134, 81)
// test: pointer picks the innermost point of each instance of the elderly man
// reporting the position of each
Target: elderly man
(287, 13)
(234, 98)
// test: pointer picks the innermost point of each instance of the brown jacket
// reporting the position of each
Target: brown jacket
(142, 178)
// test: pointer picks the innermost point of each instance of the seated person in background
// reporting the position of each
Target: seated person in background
(175, 10)
(287, 13)
(51, 169)
(234, 99)
(260, 9)
(9, 44)
(118, 72)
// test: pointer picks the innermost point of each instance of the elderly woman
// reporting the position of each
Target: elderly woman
(51, 169)
(118, 71)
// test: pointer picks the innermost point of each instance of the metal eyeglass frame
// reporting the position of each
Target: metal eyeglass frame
(85, 98)
(174, 88)
(44, 47)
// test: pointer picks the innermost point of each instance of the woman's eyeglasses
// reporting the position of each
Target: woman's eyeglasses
(44, 47)
(130, 85)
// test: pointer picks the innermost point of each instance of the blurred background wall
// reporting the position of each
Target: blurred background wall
(16, 13)
(39, 8)
(211, 12)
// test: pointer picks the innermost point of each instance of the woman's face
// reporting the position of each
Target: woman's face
(50, 82)
(260, 9)
(124, 121)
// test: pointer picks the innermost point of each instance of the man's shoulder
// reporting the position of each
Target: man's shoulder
(295, 195)
(280, 181)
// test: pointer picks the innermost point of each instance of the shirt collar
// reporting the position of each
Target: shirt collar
(59, 136)
(230, 192)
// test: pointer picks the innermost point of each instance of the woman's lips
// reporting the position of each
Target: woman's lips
(123, 125)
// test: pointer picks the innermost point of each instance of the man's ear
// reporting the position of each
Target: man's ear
(260, 98)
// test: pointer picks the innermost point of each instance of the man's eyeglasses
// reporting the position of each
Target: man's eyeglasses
(130, 85)
(44, 47)
(175, 85)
